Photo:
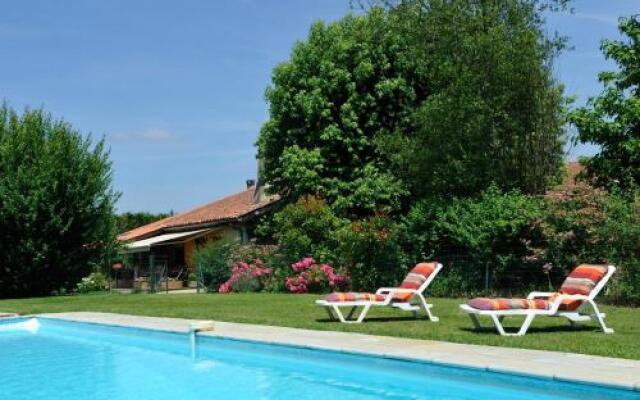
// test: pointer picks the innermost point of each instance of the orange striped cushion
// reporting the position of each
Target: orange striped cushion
(414, 279)
(338, 297)
(581, 280)
(484, 303)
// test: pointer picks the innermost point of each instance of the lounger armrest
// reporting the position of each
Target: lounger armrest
(562, 297)
(534, 295)
(389, 290)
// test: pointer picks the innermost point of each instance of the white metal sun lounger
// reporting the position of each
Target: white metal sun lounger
(554, 308)
(412, 297)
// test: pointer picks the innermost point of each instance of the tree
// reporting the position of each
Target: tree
(130, 220)
(612, 119)
(495, 113)
(56, 204)
(348, 83)
(418, 98)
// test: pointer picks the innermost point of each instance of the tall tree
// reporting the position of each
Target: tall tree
(420, 98)
(496, 113)
(349, 82)
(56, 204)
(612, 119)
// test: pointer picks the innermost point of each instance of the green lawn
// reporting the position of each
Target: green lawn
(300, 312)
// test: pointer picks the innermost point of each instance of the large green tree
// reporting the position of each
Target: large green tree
(495, 113)
(348, 83)
(420, 97)
(612, 119)
(56, 204)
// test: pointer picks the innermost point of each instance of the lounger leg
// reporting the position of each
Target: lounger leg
(498, 325)
(600, 317)
(363, 314)
(476, 322)
(332, 316)
(427, 308)
(337, 311)
(347, 320)
(351, 311)
(525, 325)
(497, 322)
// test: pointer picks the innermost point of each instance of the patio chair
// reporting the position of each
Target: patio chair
(408, 297)
(580, 288)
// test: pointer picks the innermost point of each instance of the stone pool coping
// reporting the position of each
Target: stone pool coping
(605, 371)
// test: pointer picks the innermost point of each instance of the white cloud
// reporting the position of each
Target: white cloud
(603, 18)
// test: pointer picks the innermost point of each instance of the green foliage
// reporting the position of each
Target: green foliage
(95, 282)
(612, 120)
(620, 235)
(495, 232)
(469, 84)
(56, 204)
(494, 113)
(348, 83)
(370, 251)
(213, 260)
(306, 229)
(130, 220)
(596, 227)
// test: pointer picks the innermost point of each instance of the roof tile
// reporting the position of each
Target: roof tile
(228, 208)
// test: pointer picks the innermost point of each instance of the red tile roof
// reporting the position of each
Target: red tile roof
(230, 208)
(570, 183)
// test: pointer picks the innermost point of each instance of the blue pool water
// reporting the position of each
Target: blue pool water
(50, 359)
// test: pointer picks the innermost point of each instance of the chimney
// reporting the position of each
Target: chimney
(258, 196)
(251, 183)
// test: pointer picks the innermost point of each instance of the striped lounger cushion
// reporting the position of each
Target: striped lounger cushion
(414, 279)
(581, 280)
(484, 303)
(337, 297)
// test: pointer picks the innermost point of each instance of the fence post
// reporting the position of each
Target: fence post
(152, 274)
(486, 278)
(197, 277)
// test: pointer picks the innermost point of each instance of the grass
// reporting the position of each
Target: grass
(299, 311)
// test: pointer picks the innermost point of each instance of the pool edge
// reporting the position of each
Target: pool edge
(106, 319)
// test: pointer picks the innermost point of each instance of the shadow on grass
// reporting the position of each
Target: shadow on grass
(379, 319)
(490, 330)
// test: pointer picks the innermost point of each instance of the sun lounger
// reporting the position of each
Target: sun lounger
(409, 296)
(579, 289)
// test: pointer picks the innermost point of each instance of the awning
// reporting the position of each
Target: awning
(167, 238)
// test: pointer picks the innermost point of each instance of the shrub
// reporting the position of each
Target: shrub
(490, 240)
(246, 277)
(592, 226)
(371, 254)
(620, 233)
(314, 278)
(306, 228)
(214, 259)
(95, 282)
(56, 204)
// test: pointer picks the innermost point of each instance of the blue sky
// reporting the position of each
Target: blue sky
(177, 87)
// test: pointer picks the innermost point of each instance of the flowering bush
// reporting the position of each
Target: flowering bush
(246, 277)
(95, 282)
(314, 278)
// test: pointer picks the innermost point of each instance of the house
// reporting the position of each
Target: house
(163, 251)
(570, 183)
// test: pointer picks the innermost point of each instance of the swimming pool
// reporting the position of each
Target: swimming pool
(53, 359)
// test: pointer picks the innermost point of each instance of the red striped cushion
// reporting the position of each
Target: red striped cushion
(484, 303)
(581, 280)
(415, 278)
(338, 297)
